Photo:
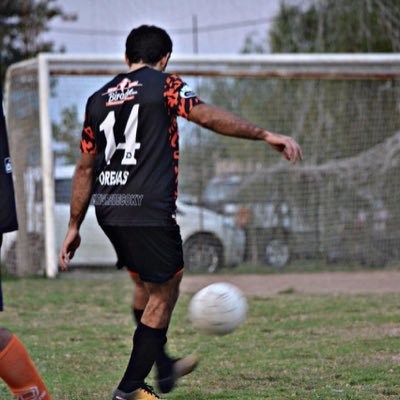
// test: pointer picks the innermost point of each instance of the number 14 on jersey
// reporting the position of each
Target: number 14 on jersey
(130, 145)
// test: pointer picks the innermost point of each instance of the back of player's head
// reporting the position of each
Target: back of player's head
(148, 44)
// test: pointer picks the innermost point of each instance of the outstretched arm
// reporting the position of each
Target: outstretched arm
(226, 123)
(82, 185)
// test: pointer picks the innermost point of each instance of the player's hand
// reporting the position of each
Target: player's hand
(71, 243)
(285, 145)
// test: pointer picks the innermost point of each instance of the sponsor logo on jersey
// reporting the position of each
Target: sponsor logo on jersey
(124, 91)
(118, 199)
(187, 92)
(7, 165)
(113, 178)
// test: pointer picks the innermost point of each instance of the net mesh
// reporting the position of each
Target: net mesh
(340, 205)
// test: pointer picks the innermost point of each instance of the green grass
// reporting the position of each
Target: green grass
(292, 346)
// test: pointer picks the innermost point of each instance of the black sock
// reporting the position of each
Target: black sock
(163, 360)
(147, 343)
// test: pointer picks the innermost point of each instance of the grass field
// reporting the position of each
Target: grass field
(292, 346)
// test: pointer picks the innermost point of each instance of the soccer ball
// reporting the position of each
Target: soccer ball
(218, 309)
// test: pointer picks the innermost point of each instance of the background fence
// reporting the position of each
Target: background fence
(340, 205)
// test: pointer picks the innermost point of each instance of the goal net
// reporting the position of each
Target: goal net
(244, 203)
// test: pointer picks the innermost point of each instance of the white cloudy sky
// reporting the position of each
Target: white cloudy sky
(102, 25)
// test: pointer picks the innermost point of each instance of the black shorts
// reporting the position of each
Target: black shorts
(153, 252)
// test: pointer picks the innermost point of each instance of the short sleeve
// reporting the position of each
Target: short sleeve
(179, 97)
(88, 142)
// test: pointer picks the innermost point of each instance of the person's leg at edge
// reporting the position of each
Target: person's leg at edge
(18, 370)
(150, 334)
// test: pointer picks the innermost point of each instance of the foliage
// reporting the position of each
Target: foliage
(337, 26)
(342, 26)
(66, 134)
(21, 24)
(331, 26)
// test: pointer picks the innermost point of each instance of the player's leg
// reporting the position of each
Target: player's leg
(139, 301)
(168, 370)
(155, 253)
(150, 336)
(18, 370)
(140, 296)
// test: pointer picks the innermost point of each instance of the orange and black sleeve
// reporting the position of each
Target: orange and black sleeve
(179, 97)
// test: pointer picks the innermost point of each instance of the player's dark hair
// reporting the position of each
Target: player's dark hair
(148, 44)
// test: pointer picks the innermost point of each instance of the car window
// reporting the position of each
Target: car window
(63, 190)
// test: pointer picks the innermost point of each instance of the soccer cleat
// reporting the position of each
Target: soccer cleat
(145, 392)
(180, 367)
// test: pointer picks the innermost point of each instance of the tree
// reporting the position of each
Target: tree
(337, 26)
(66, 135)
(21, 24)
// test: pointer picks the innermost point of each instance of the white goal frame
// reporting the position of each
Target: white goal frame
(287, 66)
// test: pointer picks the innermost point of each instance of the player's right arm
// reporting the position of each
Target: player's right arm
(82, 185)
(226, 123)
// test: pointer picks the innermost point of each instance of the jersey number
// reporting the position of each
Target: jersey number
(130, 145)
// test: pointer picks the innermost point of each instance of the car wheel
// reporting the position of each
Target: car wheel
(203, 253)
(277, 253)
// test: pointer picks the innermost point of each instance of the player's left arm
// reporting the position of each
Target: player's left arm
(226, 123)
(82, 186)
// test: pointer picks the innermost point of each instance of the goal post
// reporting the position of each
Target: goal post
(47, 166)
(335, 206)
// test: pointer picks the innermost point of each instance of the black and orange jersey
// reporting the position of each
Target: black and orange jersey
(131, 127)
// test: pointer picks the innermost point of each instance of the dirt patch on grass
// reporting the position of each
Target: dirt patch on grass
(325, 282)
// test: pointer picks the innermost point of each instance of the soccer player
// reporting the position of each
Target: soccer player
(129, 165)
(16, 367)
